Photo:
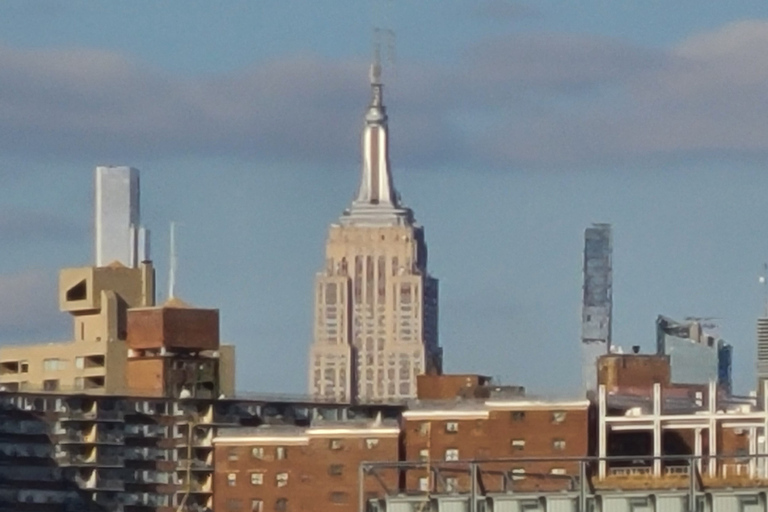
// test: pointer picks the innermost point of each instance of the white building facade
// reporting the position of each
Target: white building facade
(119, 236)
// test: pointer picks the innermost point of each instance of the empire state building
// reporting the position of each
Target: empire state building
(376, 305)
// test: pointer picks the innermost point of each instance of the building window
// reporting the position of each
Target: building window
(24, 367)
(451, 484)
(452, 454)
(281, 453)
(51, 385)
(558, 416)
(234, 505)
(424, 429)
(424, 455)
(257, 453)
(518, 444)
(257, 478)
(50, 364)
(334, 444)
(558, 444)
(232, 454)
(79, 383)
(371, 443)
(257, 505)
(339, 497)
(335, 469)
(518, 415)
(424, 484)
(79, 362)
(558, 471)
(231, 479)
(281, 479)
(281, 505)
(451, 427)
(518, 474)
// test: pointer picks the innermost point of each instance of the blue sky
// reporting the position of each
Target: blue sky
(514, 125)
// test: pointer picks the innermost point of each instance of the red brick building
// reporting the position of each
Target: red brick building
(299, 469)
(503, 435)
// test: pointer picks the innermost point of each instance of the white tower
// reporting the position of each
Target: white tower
(118, 232)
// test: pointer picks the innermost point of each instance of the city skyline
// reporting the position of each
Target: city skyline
(655, 128)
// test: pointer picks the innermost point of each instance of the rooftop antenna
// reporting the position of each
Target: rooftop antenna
(172, 270)
(764, 281)
(383, 35)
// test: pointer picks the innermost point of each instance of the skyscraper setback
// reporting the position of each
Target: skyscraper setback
(118, 234)
(376, 306)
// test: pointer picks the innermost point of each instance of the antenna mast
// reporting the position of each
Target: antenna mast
(383, 35)
(172, 270)
(764, 281)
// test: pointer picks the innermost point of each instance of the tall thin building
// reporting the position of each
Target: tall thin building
(762, 352)
(118, 232)
(376, 306)
(597, 302)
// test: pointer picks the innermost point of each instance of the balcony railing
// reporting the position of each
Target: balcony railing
(101, 484)
(77, 437)
(66, 459)
(98, 415)
(630, 471)
(194, 465)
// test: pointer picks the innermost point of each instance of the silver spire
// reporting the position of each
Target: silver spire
(377, 201)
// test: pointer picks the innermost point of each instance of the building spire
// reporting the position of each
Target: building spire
(376, 186)
(377, 200)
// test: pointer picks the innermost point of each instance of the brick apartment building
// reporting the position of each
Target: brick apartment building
(299, 468)
(503, 435)
(316, 467)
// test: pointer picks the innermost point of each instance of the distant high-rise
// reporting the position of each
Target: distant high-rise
(376, 305)
(762, 352)
(697, 355)
(118, 232)
(597, 303)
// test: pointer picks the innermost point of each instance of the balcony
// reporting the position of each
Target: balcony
(146, 454)
(196, 486)
(92, 415)
(194, 465)
(67, 459)
(152, 431)
(79, 437)
(100, 484)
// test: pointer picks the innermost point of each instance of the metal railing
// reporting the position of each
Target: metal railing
(475, 479)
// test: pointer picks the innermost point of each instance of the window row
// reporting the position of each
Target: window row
(281, 479)
(257, 505)
(281, 452)
(451, 483)
(452, 454)
(519, 444)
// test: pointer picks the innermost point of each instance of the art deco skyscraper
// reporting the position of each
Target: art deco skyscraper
(376, 305)
(118, 234)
